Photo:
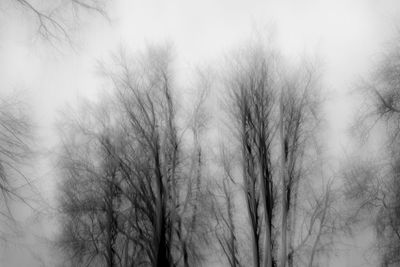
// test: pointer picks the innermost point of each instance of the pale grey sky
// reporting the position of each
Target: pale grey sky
(346, 35)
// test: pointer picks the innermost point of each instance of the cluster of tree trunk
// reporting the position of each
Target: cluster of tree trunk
(137, 189)
(132, 195)
(274, 113)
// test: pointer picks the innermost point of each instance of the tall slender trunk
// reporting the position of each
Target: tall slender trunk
(292, 220)
(161, 249)
(284, 186)
(110, 232)
(249, 186)
(185, 255)
(267, 239)
(252, 211)
(126, 255)
(267, 258)
(232, 239)
(321, 223)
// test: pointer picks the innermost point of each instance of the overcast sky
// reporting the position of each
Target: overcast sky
(346, 35)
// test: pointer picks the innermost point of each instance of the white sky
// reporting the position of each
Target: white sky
(346, 35)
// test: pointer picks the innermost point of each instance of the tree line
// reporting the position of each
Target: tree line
(143, 186)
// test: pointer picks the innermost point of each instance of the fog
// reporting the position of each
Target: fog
(70, 88)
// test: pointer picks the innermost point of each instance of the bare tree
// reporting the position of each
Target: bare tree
(52, 17)
(297, 125)
(224, 211)
(371, 188)
(255, 85)
(152, 196)
(252, 89)
(147, 101)
(16, 148)
(90, 197)
(192, 219)
(373, 185)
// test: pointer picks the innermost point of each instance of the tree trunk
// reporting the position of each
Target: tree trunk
(284, 186)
